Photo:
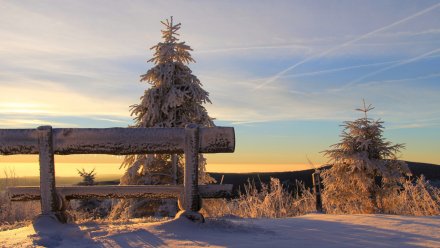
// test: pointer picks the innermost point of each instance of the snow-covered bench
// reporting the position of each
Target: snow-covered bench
(47, 141)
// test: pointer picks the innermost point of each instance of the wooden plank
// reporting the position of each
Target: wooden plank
(126, 191)
(217, 140)
(27, 193)
(117, 141)
(113, 191)
(215, 190)
(24, 193)
(18, 141)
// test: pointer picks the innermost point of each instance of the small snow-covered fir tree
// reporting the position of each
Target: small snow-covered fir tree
(96, 208)
(364, 167)
(175, 99)
(88, 177)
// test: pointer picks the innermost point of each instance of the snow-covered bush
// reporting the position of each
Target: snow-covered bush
(364, 168)
(416, 197)
(272, 201)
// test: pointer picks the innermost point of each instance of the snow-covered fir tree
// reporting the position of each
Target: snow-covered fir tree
(175, 99)
(364, 167)
(88, 177)
(96, 208)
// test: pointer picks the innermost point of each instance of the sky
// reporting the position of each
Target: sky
(284, 74)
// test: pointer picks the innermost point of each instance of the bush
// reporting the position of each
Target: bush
(417, 198)
(272, 201)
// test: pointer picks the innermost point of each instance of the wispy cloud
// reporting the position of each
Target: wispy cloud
(32, 123)
(415, 79)
(414, 124)
(84, 60)
(298, 47)
(431, 31)
(109, 120)
(345, 44)
(54, 99)
(404, 62)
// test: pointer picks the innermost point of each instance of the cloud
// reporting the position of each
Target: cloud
(84, 58)
(235, 101)
(299, 47)
(54, 99)
(394, 65)
(26, 123)
(415, 79)
(347, 43)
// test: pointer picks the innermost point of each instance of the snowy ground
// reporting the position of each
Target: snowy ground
(313, 230)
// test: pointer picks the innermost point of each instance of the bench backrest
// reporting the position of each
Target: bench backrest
(47, 142)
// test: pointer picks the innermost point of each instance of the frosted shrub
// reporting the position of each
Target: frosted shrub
(417, 198)
(272, 201)
(364, 168)
(304, 201)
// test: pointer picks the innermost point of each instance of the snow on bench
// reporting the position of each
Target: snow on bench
(47, 141)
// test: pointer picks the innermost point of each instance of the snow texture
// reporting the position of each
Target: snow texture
(313, 230)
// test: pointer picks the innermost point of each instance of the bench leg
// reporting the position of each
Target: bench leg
(50, 205)
(191, 202)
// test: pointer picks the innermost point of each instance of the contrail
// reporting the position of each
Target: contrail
(338, 69)
(370, 83)
(346, 68)
(276, 76)
(233, 49)
(407, 61)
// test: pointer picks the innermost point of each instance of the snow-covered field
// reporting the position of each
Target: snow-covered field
(313, 230)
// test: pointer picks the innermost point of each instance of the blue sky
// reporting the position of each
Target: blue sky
(285, 74)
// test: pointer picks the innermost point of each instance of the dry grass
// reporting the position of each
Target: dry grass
(15, 214)
(417, 198)
(413, 197)
(272, 201)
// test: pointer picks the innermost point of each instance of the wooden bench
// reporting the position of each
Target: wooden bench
(47, 141)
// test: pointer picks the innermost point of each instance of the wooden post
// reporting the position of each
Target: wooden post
(175, 170)
(50, 205)
(317, 188)
(191, 198)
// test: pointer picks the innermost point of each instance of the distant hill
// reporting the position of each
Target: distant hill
(430, 171)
